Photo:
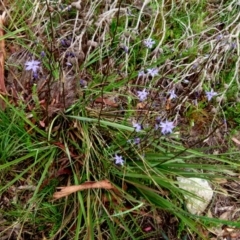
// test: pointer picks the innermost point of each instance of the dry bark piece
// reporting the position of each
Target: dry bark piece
(65, 191)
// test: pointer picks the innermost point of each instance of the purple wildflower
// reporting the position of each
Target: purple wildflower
(219, 37)
(167, 127)
(43, 54)
(233, 45)
(158, 120)
(70, 54)
(35, 75)
(141, 73)
(32, 65)
(149, 43)
(172, 94)
(210, 94)
(152, 72)
(137, 127)
(195, 65)
(125, 49)
(142, 95)
(136, 140)
(65, 43)
(118, 159)
(83, 83)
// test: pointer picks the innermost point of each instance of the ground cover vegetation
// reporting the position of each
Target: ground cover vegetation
(104, 104)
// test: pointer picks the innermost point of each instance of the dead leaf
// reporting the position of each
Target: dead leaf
(42, 124)
(64, 171)
(168, 104)
(220, 180)
(114, 198)
(230, 233)
(61, 146)
(141, 105)
(236, 140)
(65, 191)
(107, 101)
(226, 215)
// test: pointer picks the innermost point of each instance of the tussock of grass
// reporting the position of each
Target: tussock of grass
(152, 84)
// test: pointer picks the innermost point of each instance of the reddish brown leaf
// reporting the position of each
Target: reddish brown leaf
(168, 104)
(60, 145)
(42, 123)
(106, 101)
(236, 140)
(141, 105)
(63, 171)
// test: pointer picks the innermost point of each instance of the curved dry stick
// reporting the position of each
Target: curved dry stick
(3, 89)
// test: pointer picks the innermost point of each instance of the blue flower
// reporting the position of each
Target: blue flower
(142, 95)
(35, 75)
(83, 83)
(119, 159)
(43, 54)
(65, 43)
(149, 43)
(137, 127)
(136, 140)
(141, 73)
(210, 94)
(167, 127)
(125, 49)
(219, 37)
(152, 72)
(172, 94)
(233, 45)
(32, 65)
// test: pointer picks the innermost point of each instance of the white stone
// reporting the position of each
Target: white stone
(202, 191)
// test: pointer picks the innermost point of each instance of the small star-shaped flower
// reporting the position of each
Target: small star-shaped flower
(137, 127)
(142, 95)
(149, 43)
(125, 49)
(119, 159)
(210, 94)
(152, 72)
(141, 73)
(172, 94)
(32, 65)
(167, 127)
(136, 141)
